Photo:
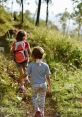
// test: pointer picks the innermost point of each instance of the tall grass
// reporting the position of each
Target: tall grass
(64, 56)
(5, 21)
(57, 46)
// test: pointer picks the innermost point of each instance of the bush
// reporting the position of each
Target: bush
(5, 21)
(57, 47)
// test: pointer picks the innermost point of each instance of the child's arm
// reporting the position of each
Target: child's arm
(29, 50)
(49, 83)
(27, 46)
(12, 47)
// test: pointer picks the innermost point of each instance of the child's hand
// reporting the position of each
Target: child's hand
(49, 89)
(27, 81)
(49, 94)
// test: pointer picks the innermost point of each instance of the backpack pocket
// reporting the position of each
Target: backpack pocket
(20, 57)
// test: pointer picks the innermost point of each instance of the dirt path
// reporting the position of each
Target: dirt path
(50, 107)
(26, 103)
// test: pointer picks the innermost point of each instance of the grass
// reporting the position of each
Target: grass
(5, 21)
(68, 92)
(64, 56)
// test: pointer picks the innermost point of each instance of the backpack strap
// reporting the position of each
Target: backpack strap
(19, 46)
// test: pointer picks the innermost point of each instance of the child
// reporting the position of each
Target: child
(21, 50)
(39, 73)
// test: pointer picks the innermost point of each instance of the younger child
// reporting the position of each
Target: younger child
(21, 50)
(39, 72)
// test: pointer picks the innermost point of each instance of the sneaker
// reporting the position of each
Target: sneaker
(27, 81)
(38, 114)
(21, 89)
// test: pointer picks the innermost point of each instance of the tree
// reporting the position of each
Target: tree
(21, 3)
(22, 10)
(47, 10)
(2, 2)
(77, 14)
(63, 20)
(38, 13)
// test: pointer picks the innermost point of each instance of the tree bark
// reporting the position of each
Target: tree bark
(47, 13)
(38, 13)
(22, 11)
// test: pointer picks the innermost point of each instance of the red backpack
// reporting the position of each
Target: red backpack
(20, 53)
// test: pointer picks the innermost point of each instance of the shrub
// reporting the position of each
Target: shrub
(57, 47)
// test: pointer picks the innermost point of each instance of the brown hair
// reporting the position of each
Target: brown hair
(20, 35)
(37, 52)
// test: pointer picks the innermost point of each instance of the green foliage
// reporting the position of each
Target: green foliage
(11, 103)
(3, 1)
(64, 56)
(57, 47)
(5, 21)
(77, 14)
(28, 21)
(67, 90)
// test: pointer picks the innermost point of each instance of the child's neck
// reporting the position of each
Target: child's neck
(38, 60)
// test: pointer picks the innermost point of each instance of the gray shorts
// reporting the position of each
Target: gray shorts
(24, 65)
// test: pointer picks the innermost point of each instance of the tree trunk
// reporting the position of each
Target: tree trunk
(79, 28)
(38, 13)
(22, 11)
(68, 27)
(47, 13)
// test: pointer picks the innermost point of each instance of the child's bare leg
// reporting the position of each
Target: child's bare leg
(21, 72)
(26, 79)
(42, 96)
(21, 78)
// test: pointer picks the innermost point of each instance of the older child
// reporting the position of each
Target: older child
(39, 72)
(21, 50)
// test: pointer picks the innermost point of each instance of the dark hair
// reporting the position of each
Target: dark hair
(20, 35)
(37, 52)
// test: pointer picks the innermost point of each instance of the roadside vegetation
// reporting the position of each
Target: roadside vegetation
(63, 53)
